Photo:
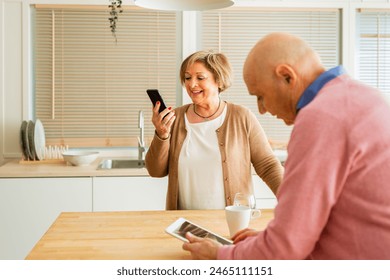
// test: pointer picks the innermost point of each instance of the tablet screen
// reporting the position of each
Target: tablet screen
(180, 227)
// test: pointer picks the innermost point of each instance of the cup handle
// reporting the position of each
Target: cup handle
(255, 213)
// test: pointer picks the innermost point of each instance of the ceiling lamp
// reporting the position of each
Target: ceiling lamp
(184, 5)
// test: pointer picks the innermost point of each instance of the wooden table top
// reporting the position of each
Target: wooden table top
(126, 235)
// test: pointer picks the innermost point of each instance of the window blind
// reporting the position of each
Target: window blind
(234, 31)
(89, 88)
(374, 48)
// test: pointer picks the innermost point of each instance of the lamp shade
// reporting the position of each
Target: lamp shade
(184, 5)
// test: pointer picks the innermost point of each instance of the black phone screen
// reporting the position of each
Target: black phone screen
(155, 96)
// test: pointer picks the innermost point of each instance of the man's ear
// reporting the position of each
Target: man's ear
(286, 73)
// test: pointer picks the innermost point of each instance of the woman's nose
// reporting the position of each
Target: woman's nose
(192, 83)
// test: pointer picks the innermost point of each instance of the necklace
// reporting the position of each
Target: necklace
(207, 118)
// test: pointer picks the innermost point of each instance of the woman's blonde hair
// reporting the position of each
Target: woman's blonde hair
(216, 63)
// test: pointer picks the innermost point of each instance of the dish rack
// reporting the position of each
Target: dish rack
(50, 154)
(42, 161)
(33, 145)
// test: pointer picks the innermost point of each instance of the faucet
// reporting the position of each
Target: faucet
(141, 140)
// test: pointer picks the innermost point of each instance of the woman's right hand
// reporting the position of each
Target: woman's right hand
(163, 125)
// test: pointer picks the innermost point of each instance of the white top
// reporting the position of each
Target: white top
(200, 167)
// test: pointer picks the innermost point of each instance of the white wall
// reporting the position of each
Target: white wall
(15, 56)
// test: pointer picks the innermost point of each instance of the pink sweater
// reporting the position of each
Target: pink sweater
(334, 200)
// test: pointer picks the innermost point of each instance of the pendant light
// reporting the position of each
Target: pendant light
(184, 5)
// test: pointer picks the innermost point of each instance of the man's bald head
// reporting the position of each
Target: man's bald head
(279, 48)
(277, 70)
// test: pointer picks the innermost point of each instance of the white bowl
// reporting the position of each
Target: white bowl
(80, 158)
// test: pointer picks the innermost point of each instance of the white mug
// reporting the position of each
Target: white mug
(238, 217)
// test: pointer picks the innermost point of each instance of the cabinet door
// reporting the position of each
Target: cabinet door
(129, 193)
(29, 206)
(265, 198)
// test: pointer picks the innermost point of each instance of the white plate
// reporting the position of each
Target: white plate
(39, 140)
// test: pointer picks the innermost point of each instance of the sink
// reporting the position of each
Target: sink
(121, 163)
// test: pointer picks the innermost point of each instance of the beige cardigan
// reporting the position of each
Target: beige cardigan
(242, 141)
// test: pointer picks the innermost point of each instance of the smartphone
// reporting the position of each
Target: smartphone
(181, 226)
(155, 96)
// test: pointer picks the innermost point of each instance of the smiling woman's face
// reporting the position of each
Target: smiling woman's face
(200, 83)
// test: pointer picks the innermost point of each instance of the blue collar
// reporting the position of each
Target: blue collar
(312, 90)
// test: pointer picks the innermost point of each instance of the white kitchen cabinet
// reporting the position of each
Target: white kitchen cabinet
(146, 193)
(28, 206)
(265, 198)
(129, 193)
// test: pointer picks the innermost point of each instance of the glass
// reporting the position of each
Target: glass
(245, 199)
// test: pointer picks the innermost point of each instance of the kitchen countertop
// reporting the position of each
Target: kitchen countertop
(137, 235)
(14, 169)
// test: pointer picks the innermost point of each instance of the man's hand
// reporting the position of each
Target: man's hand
(242, 234)
(201, 248)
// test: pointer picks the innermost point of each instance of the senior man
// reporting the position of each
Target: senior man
(334, 200)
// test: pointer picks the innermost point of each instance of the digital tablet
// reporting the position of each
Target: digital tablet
(181, 226)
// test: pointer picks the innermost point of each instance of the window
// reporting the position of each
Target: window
(89, 89)
(373, 57)
(234, 31)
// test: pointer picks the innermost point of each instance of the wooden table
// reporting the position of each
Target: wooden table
(126, 235)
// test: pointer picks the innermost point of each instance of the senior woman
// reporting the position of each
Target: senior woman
(207, 147)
